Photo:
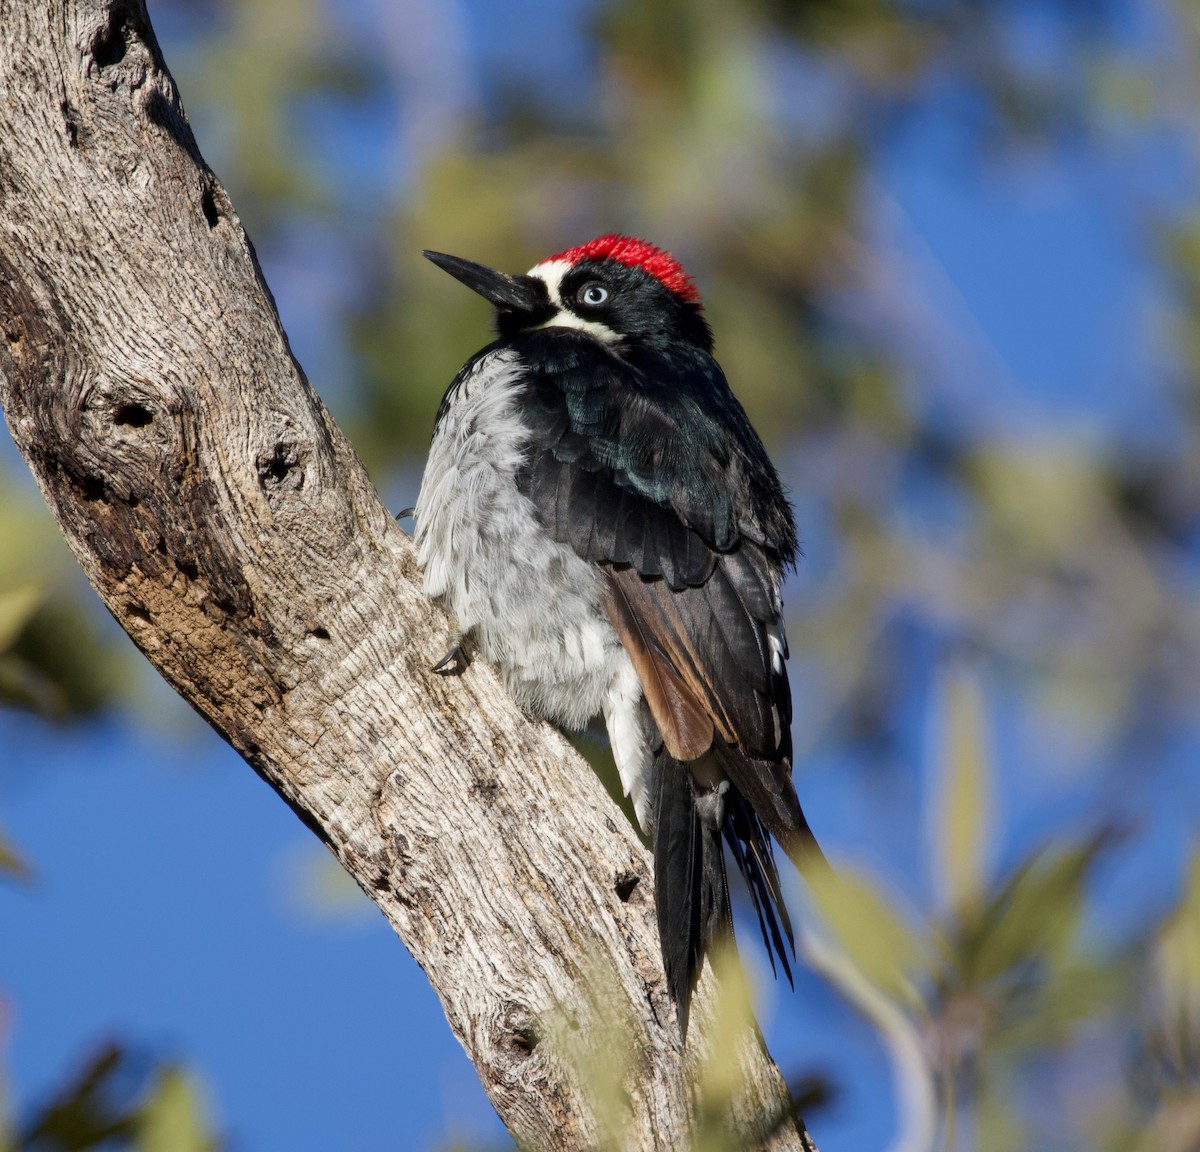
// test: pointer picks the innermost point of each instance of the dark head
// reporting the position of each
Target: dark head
(615, 288)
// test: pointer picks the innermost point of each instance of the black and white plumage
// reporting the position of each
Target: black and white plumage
(606, 526)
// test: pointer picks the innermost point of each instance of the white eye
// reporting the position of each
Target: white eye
(593, 295)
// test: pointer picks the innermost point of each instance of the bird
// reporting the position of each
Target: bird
(605, 524)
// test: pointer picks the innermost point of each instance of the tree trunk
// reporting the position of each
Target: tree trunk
(230, 529)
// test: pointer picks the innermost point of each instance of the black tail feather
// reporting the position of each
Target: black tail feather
(690, 887)
(760, 783)
(751, 848)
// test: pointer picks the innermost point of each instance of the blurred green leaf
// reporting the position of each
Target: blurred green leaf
(8, 1131)
(998, 1124)
(54, 656)
(1034, 916)
(30, 544)
(94, 1109)
(594, 1042)
(172, 1117)
(721, 1078)
(1177, 960)
(961, 792)
(1122, 87)
(879, 942)
(1041, 1011)
(17, 606)
(12, 864)
(61, 663)
(320, 889)
(120, 1101)
(1046, 498)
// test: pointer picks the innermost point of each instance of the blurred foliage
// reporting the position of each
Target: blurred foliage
(1039, 583)
(1003, 976)
(318, 890)
(52, 657)
(12, 866)
(117, 1101)
(594, 1043)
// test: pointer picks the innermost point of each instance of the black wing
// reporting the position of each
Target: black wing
(649, 469)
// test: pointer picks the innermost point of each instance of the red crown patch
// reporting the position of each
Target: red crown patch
(638, 254)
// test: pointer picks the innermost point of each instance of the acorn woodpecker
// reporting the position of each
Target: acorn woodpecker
(605, 524)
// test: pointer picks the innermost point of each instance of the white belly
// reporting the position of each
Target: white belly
(531, 606)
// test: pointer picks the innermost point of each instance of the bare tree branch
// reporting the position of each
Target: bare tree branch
(230, 529)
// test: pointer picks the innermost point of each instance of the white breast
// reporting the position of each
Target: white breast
(530, 604)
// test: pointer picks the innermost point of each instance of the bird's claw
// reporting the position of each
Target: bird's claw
(454, 663)
(406, 513)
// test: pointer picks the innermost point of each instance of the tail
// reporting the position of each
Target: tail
(691, 890)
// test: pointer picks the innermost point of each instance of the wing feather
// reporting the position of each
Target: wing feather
(685, 724)
(659, 481)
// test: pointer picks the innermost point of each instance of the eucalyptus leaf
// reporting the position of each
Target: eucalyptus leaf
(865, 925)
(1177, 954)
(1034, 914)
(17, 607)
(961, 792)
(172, 1118)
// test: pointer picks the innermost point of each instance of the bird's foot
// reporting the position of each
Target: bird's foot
(454, 663)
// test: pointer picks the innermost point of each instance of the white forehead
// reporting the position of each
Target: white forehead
(551, 272)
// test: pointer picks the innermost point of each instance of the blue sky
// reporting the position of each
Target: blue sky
(165, 911)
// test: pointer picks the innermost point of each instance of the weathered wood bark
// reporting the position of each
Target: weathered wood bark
(229, 528)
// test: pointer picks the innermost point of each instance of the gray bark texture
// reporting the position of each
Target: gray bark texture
(228, 526)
